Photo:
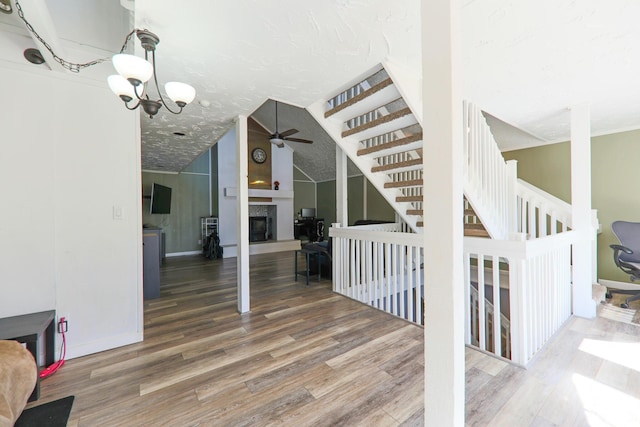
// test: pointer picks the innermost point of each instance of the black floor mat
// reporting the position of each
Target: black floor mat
(52, 414)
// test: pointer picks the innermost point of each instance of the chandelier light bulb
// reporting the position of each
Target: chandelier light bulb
(121, 87)
(133, 68)
(180, 93)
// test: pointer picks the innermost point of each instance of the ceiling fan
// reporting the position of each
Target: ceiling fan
(278, 138)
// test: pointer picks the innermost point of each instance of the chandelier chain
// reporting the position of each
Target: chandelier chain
(71, 66)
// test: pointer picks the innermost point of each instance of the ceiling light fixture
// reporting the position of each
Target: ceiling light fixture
(5, 6)
(133, 74)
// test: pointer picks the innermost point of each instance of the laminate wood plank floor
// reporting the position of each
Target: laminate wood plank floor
(305, 356)
(587, 375)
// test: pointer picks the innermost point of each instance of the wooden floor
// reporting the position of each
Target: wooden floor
(587, 375)
(303, 356)
(307, 357)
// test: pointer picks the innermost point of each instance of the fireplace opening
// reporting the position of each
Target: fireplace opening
(257, 228)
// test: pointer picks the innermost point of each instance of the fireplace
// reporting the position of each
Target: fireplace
(257, 228)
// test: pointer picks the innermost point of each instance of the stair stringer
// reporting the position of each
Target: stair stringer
(409, 85)
(483, 212)
(350, 146)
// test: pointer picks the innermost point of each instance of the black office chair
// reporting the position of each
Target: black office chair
(626, 255)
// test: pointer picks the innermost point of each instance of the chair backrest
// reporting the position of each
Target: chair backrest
(628, 233)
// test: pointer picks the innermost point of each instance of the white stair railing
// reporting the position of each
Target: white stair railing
(504, 326)
(539, 281)
(540, 213)
(380, 268)
(489, 184)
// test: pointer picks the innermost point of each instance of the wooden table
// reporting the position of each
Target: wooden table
(26, 329)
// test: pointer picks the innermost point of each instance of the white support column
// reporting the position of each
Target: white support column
(583, 303)
(342, 206)
(242, 200)
(443, 172)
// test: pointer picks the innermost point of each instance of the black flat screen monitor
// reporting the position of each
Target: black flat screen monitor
(160, 199)
(308, 213)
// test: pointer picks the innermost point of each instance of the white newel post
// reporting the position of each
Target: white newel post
(342, 215)
(242, 201)
(444, 330)
(512, 198)
(594, 246)
(583, 304)
(336, 260)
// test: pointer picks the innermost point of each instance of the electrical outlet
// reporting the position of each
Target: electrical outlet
(62, 325)
(199, 241)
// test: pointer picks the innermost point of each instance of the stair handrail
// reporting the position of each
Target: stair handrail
(489, 182)
(538, 209)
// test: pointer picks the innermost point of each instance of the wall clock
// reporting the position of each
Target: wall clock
(259, 155)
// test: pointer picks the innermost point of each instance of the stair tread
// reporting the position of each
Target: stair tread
(381, 120)
(475, 233)
(392, 144)
(407, 183)
(408, 198)
(397, 165)
(472, 226)
(415, 211)
(358, 98)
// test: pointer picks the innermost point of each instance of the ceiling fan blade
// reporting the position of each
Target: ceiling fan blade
(289, 132)
(306, 141)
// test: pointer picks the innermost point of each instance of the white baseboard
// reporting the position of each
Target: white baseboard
(619, 285)
(172, 254)
(102, 344)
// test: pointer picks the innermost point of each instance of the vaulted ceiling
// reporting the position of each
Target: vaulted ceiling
(525, 63)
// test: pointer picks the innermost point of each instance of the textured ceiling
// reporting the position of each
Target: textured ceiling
(523, 62)
(237, 54)
(318, 159)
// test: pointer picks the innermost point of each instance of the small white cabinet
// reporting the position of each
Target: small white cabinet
(208, 225)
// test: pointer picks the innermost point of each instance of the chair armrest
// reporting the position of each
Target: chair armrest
(621, 248)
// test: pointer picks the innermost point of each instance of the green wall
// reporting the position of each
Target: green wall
(377, 206)
(355, 194)
(614, 160)
(189, 202)
(304, 192)
(326, 202)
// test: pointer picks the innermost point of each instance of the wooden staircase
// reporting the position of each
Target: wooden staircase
(473, 227)
(381, 133)
(373, 124)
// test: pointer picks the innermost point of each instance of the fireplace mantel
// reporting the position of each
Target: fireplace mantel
(253, 192)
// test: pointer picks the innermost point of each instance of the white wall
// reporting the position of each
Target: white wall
(70, 154)
(281, 171)
(227, 210)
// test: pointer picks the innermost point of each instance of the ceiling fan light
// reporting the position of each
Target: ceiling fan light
(132, 68)
(278, 142)
(180, 93)
(121, 87)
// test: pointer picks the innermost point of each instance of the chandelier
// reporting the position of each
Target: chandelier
(134, 73)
